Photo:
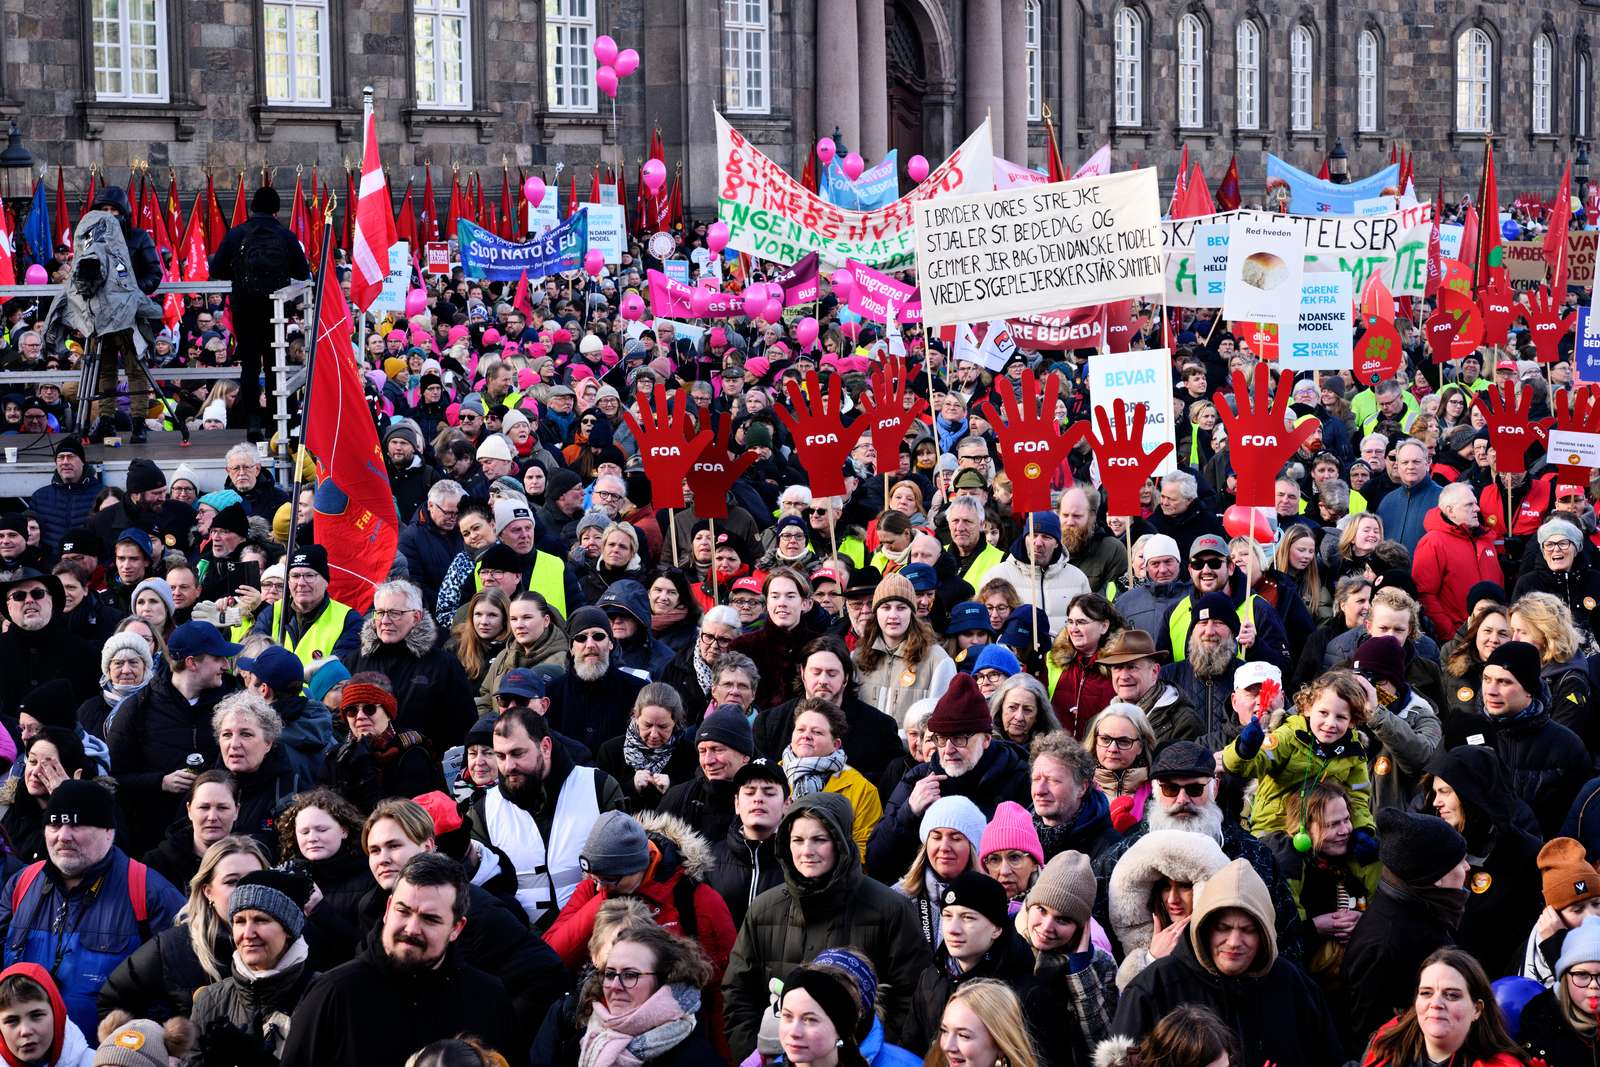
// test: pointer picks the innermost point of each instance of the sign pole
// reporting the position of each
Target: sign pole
(672, 524)
(1035, 614)
(712, 525)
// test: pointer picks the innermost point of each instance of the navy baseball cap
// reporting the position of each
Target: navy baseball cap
(275, 666)
(520, 682)
(922, 577)
(199, 639)
(967, 616)
(138, 538)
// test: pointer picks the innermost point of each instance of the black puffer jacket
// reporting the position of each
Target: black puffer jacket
(430, 687)
(1008, 960)
(263, 793)
(1546, 761)
(789, 925)
(1401, 927)
(706, 806)
(743, 869)
(241, 1015)
(1578, 588)
(30, 658)
(159, 980)
(1545, 1033)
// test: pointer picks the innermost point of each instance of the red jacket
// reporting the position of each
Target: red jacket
(1081, 692)
(1448, 562)
(1529, 513)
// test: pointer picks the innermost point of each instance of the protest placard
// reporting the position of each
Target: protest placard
(677, 270)
(669, 296)
(1059, 331)
(1265, 265)
(1211, 263)
(1306, 194)
(1574, 448)
(1525, 262)
(874, 292)
(438, 255)
(772, 216)
(1067, 244)
(988, 344)
(1138, 378)
(608, 230)
(1586, 346)
(489, 258)
(1318, 336)
(546, 216)
(392, 298)
(877, 187)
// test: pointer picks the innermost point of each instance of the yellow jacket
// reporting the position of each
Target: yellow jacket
(864, 802)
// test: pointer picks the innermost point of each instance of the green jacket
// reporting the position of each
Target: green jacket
(1292, 762)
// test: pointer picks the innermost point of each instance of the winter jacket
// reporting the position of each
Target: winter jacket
(1271, 644)
(705, 805)
(641, 652)
(1400, 928)
(1570, 692)
(307, 734)
(249, 1013)
(296, 625)
(681, 767)
(82, 934)
(1583, 818)
(1090, 831)
(1079, 692)
(61, 506)
(1547, 762)
(154, 732)
(681, 675)
(1399, 745)
(160, 979)
(175, 857)
(790, 924)
(873, 739)
(1405, 510)
(885, 686)
(1001, 773)
(1103, 560)
(368, 1011)
(1145, 606)
(1448, 561)
(550, 649)
(30, 658)
(864, 801)
(776, 654)
(592, 713)
(410, 485)
(1275, 1011)
(263, 793)
(743, 869)
(1172, 717)
(428, 551)
(357, 775)
(1008, 960)
(1544, 1031)
(430, 686)
(1578, 588)
(1194, 521)
(1211, 700)
(1176, 855)
(1050, 587)
(1290, 761)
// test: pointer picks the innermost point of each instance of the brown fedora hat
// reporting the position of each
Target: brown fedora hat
(1129, 646)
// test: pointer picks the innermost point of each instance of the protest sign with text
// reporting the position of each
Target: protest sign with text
(489, 258)
(668, 296)
(1067, 244)
(1139, 378)
(1309, 195)
(1060, 331)
(1265, 265)
(877, 186)
(874, 292)
(988, 344)
(1318, 336)
(1525, 260)
(608, 230)
(392, 297)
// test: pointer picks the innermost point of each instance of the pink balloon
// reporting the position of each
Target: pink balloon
(606, 79)
(806, 330)
(37, 275)
(594, 261)
(844, 283)
(826, 150)
(700, 302)
(853, 166)
(753, 303)
(534, 189)
(917, 168)
(654, 175)
(633, 306)
(416, 303)
(605, 50)
(717, 237)
(773, 311)
(627, 62)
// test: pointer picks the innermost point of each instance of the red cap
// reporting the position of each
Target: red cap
(1506, 364)
(441, 807)
(747, 584)
(826, 574)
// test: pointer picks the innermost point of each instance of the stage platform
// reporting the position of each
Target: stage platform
(35, 464)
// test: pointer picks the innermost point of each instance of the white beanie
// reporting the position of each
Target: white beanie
(513, 418)
(507, 512)
(495, 447)
(954, 813)
(590, 343)
(184, 473)
(117, 644)
(215, 411)
(1159, 546)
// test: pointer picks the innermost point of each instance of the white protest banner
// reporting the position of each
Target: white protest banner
(1319, 336)
(1265, 264)
(545, 216)
(1574, 449)
(1211, 263)
(1010, 252)
(608, 230)
(392, 298)
(988, 344)
(1138, 377)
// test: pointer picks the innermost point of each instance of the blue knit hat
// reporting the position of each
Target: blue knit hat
(1582, 945)
(996, 658)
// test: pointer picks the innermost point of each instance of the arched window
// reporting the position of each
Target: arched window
(1247, 65)
(442, 42)
(1191, 72)
(1129, 88)
(1302, 78)
(1367, 82)
(1033, 35)
(744, 56)
(1474, 90)
(1543, 82)
(1580, 95)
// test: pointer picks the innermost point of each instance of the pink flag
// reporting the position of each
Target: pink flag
(1096, 165)
(374, 224)
(875, 291)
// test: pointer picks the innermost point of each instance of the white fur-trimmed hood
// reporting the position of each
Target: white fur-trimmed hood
(1175, 854)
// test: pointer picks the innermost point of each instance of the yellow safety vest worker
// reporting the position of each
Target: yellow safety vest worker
(1178, 624)
(981, 565)
(317, 642)
(548, 579)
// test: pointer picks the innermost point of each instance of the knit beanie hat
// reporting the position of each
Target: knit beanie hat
(1011, 829)
(232, 519)
(1568, 875)
(1522, 660)
(617, 845)
(1481, 591)
(859, 968)
(1418, 849)
(1066, 886)
(280, 894)
(984, 895)
(1582, 945)
(833, 995)
(757, 435)
(894, 587)
(139, 1043)
(1558, 529)
(160, 588)
(962, 709)
(495, 446)
(324, 678)
(592, 520)
(117, 644)
(728, 725)
(1218, 606)
(996, 658)
(953, 813)
(143, 476)
(1381, 659)
(587, 617)
(281, 520)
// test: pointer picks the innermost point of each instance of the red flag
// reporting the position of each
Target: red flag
(521, 301)
(63, 220)
(299, 221)
(508, 224)
(1555, 238)
(216, 229)
(8, 249)
(1488, 258)
(88, 196)
(349, 212)
(1196, 197)
(1052, 154)
(594, 187)
(1323, 173)
(675, 205)
(316, 218)
(374, 234)
(482, 206)
(151, 219)
(405, 227)
(622, 190)
(1469, 236)
(174, 209)
(195, 267)
(1179, 183)
(808, 178)
(1394, 151)
(572, 196)
(1435, 257)
(1228, 196)
(355, 510)
(240, 210)
(430, 209)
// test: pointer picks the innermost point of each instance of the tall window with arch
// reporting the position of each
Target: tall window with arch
(1129, 82)
(1302, 78)
(1544, 53)
(1474, 87)
(1191, 72)
(1367, 50)
(1033, 38)
(1247, 68)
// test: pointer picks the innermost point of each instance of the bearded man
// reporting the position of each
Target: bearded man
(592, 702)
(1090, 546)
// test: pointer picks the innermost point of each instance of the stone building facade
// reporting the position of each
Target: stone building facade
(242, 84)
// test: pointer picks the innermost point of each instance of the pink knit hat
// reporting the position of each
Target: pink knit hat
(1011, 828)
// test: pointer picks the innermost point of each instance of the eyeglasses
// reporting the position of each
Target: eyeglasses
(391, 614)
(1584, 979)
(1193, 790)
(20, 596)
(1559, 545)
(606, 494)
(626, 978)
(1121, 744)
(591, 637)
(958, 740)
(720, 642)
(1214, 563)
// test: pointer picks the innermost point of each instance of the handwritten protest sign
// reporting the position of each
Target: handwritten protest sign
(1525, 260)
(1010, 252)
(487, 257)
(1265, 264)
(1139, 378)
(771, 215)
(1318, 336)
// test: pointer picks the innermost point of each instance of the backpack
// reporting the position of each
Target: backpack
(262, 266)
(137, 896)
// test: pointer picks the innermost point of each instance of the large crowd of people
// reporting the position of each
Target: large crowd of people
(890, 776)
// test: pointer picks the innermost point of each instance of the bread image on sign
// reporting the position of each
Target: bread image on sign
(1264, 270)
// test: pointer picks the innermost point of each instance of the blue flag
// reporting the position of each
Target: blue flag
(1310, 195)
(36, 231)
(487, 257)
(877, 187)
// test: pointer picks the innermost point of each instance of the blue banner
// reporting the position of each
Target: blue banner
(878, 186)
(485, 257)
(1587, 354)
(1310, 195)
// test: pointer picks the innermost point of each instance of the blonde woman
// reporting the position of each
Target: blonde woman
(481, 634)
(1542, 620)
(982, 1026)
(1296, 558)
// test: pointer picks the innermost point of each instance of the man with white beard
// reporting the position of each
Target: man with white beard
(592, 702)
(1184, 797)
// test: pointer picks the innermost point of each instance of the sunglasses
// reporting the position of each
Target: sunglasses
(1210, 563)
(1192, 790)
(22, 596)
(591, 637)
(369, 710)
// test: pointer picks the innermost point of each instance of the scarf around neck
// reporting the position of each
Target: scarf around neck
(661, 621)
(1123, 783)
(808, 774)
(1445, 905)
(648, 1031)
(639, 756)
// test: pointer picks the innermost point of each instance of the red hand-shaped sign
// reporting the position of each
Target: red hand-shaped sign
(1496, 302)
(713, 474)
(1032, 443)
(891, 419)
(1377, 354)
(1440, 330)
(1266, 698)
(1577, 410)
(1119, 452)
(1258, 439)
(821, 438)
(1468, 318)
(665, 444)
(1543, 316)
(1511, 434)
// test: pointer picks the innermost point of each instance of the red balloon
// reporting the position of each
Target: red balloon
(1241, 520)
